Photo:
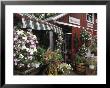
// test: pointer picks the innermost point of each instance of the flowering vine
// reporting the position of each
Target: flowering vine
(24, 48)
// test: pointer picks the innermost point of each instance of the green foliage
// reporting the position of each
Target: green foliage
(79, 59)
(58, 55)
(94, 47)
(83, 50)
(76, 40)
(53, 55)
(85, 35)
(40, 54)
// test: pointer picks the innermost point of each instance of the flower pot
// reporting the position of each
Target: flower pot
(80, 68)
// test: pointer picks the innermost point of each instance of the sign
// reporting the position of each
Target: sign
(90, 25)
(74, 20)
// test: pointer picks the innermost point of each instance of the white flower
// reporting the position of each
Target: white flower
(29, 33)
(37, 65)
(27, 41)
(15, 39)
(35, 50)
(31, 51)
(32, 42)
(20, 32)
(27, 49)
(30, 57)
(19, 41)
(24, 47)
(34, 37)
(36, 41)
(29, 30)
(28, 65)
(24, 38)
(15, 63)
(21, 64)
(21, 56)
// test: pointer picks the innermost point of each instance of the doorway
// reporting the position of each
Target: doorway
(68, 45)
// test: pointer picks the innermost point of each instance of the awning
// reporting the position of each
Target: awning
(66, 24)
(32, 22)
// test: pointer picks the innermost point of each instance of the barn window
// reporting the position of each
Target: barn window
(90, 17)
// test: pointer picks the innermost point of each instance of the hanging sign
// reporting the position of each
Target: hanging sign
(74, 20)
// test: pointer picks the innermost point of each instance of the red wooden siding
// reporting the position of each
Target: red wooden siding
(83, 23)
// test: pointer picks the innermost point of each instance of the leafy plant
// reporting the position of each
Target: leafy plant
(53, 55)
(52, 68)
(57, 55)
(40, 54)
(91, 61)
(65, 68)
(79, 59)
(85, 35)
(82, 50)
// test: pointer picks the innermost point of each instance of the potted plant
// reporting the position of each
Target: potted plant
(52, 68)
(85, 37)
(83, 50)
(65, 68)
(80, 64)
(91, 66)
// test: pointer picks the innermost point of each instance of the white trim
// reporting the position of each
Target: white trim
(95, 30)
(66, 24)
(56, 17)
(74, 20)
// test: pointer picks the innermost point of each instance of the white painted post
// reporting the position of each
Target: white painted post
(51, 39)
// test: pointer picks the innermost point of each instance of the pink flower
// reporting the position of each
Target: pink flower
(32, 46)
